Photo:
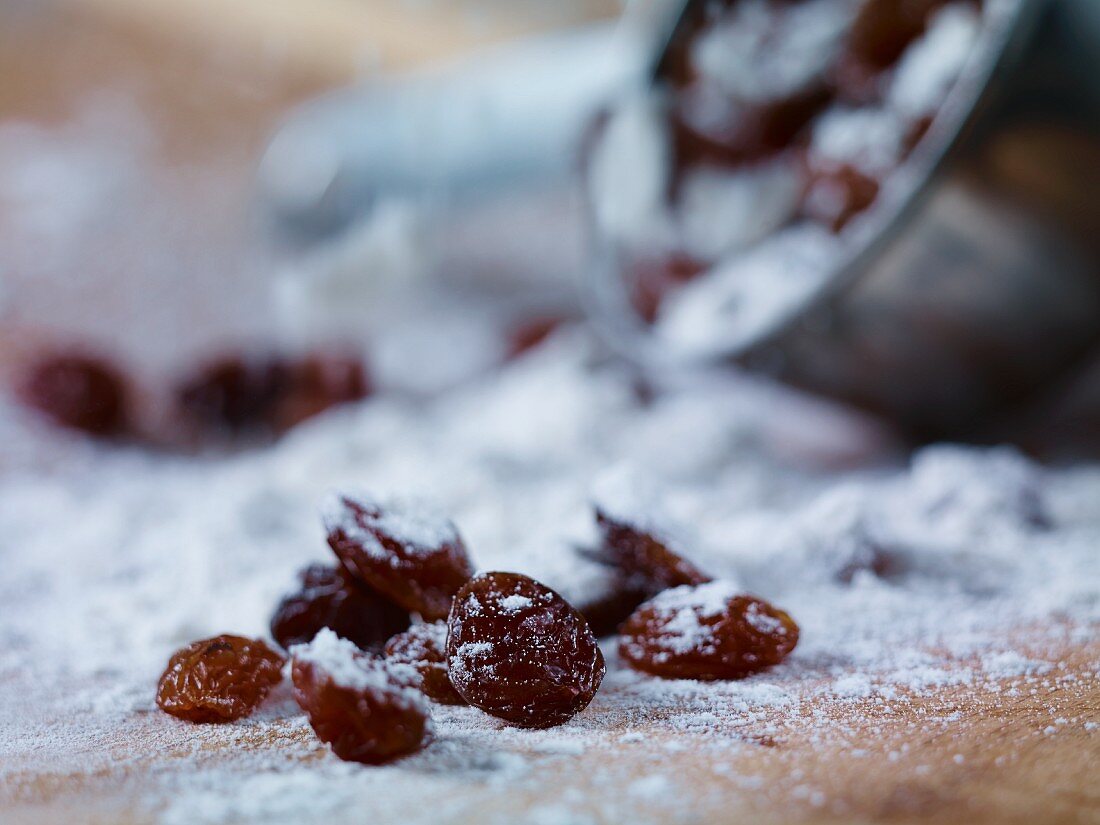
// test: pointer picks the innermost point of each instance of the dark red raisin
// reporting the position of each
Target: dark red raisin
(330, 598)
(231, 396)
(314, 384)
(268, 395)
(883, 29)
(706, 632)
(837, 193)
(354, 703)
(79, 391)
(750, 134)
(606, 611)
(519, 651)
(423, 649)
(404, 550)
(640, 551)
(529, 334)
(219, 679)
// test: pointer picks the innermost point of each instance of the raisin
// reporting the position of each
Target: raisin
(423, 648)
(519, 651)
(883, 29)
(329, 597)
(79, 391)
(838, 193)
(530, 334)
(232, 395)
(404, 550)
(268, 395)
(640, 551)
(355, 704)
(314, 384)
(706, 632)
(606, 611)
(749, 134)
(218, 679)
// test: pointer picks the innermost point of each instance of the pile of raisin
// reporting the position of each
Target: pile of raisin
(519, 651)
(511, 646)
(219, 679)
(706, 632)
(422, 649)
(79, 391)
(329, 597)
(355, 704)
(415, 558)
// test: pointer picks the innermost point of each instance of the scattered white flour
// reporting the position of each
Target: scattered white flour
(903, 579)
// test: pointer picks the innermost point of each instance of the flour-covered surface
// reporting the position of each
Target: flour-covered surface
(947, 668)
(949, 609)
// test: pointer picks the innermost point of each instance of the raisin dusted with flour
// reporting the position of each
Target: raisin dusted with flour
(80, 392)
(640, 550)
(355, 704)
(706, 632)
(219, 679)
(329, 597)
(422, 649)
(405, 550)
(519, 651)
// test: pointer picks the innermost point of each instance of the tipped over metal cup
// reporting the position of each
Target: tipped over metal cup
(977, 293)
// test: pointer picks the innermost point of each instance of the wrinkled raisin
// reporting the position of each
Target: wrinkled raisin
(329, 597)
(639, 551)
(80, 392)
(218, 679)
(404, 550)
(519, 651)
(706, 632)
(423, 649)
(354, 703)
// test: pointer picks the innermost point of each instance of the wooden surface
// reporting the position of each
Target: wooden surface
(987, 754)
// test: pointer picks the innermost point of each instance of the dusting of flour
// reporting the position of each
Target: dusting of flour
(905, 578)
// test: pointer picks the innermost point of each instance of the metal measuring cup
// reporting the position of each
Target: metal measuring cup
(977, 293)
